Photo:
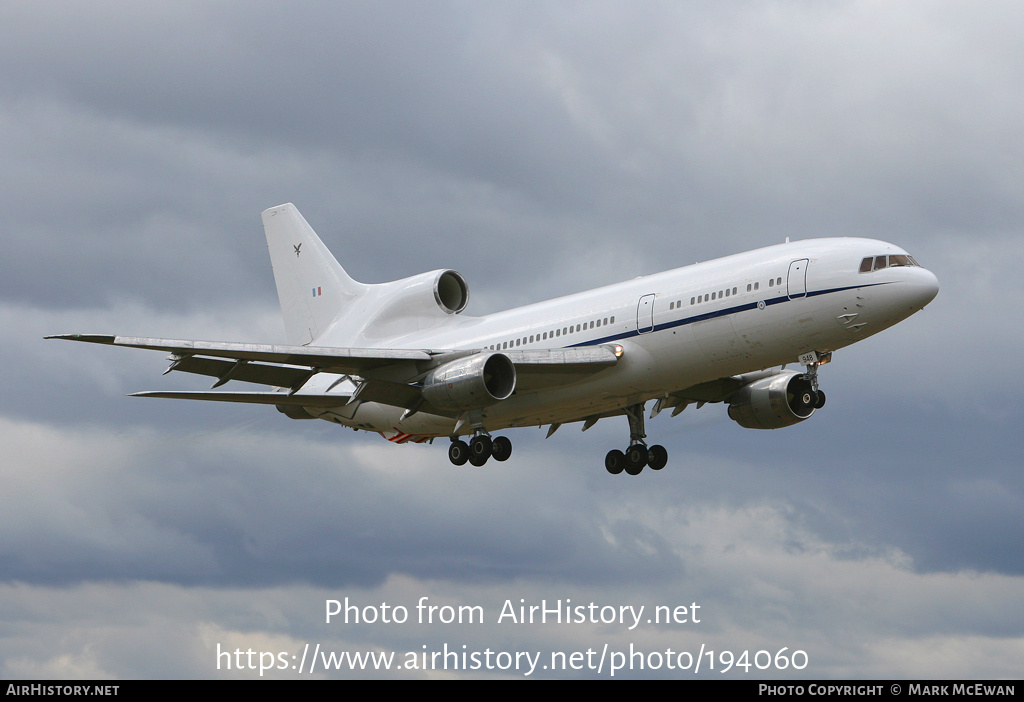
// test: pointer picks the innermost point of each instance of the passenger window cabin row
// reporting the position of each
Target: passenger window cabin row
(554, 333)
(597, 323)
(725, 292)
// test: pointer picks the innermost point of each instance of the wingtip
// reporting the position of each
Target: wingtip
(93, 338)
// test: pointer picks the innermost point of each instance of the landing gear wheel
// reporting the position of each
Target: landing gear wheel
(636, 459)
(458, 453)
(501, 449)
(479, 449)
(657, 457)
(821, 400)
(637, 454)
(615, 461)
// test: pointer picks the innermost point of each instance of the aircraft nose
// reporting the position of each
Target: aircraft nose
(922, 287)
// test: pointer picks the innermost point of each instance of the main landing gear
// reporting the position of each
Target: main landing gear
(479, 449)
(638, 454)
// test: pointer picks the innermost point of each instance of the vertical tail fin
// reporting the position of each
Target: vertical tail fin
(312, 286)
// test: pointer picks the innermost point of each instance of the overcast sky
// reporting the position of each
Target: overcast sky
(539, 148)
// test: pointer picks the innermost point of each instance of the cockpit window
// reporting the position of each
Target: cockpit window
(874, 263)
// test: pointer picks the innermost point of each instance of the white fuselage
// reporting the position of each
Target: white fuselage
(710, 320)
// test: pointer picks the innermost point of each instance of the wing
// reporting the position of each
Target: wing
(331, 360)
(279, 399)
(720, 390)
(388, 376)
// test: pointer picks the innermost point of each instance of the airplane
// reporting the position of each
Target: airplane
(401, 359)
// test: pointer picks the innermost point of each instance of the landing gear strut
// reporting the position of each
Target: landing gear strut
(812, 360)
(638, 454)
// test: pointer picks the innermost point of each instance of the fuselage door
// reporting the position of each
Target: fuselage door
(797, 280)
(645, 314)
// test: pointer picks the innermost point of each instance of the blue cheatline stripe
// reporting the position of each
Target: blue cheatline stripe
(717, 313)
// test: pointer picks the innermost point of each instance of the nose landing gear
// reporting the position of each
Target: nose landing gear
(815, 398)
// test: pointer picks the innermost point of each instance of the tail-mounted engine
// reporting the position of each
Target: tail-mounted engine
(411, 304)
(774, 402)
(470, 383)
(451, 293)
(444, 292)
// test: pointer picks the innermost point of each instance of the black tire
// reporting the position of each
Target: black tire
(636, 459)
(821, 400)
(501, 448)
(615, 461)
(458, 453)
(479, 449)
(657, 457)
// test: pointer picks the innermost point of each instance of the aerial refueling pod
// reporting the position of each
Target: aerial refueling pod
(470, 383)
(774, 402)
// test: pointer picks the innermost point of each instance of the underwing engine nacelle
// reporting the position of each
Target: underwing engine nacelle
(470, 383)
(774, 402)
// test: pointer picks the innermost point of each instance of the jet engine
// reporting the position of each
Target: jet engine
(444, 291)
(776, 401)
(411, 304)
(470, 383)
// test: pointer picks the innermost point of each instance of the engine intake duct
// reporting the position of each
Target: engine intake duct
(774, 402)
(470, 383)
